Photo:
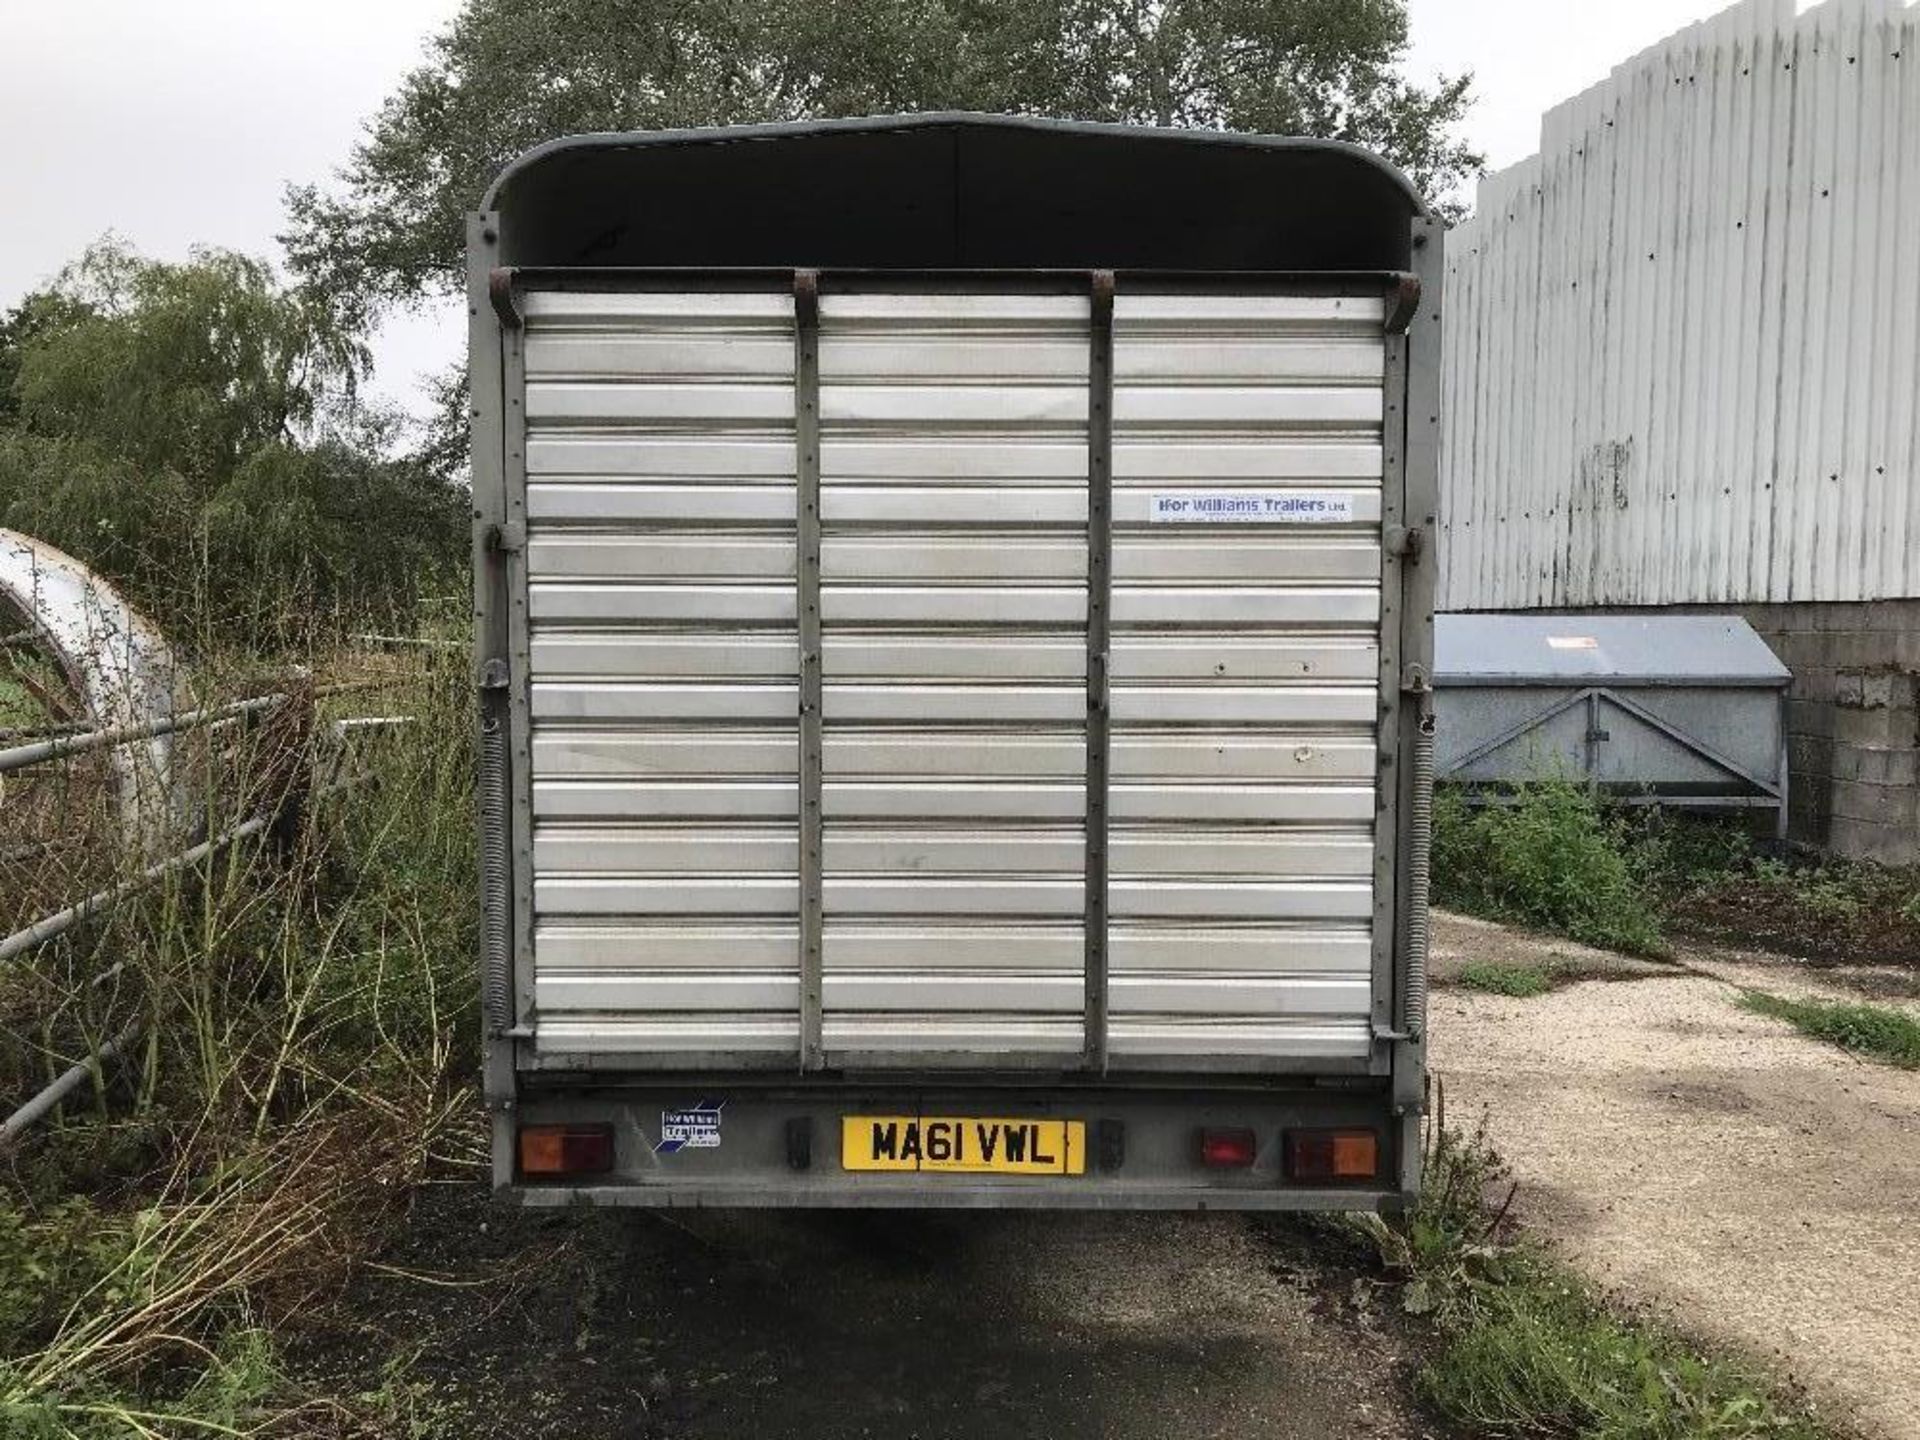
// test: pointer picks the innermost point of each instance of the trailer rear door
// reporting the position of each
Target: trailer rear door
(839, 619)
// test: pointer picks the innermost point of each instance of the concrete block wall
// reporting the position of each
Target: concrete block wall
(1853, 722)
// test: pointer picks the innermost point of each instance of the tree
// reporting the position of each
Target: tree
(194, 431)
(190, 367)
(510, 73)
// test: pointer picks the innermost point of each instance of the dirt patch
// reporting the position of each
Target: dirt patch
(1754, 1185)
(819, 1325)
(1863, 918)
(1807, 980)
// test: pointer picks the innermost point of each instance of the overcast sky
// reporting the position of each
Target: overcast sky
(176, 122)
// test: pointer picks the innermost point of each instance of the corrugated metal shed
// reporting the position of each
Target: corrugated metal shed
(1683, 341)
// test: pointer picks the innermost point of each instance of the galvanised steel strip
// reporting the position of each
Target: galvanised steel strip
(61, 921)
(806, 411)
(65, 1084)
(1099, 639)
(61, 746)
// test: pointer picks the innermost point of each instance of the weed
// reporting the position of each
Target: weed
(304, 1011)
(1533, 1353)
(1521, 982)
(1548, 856)
(1672, 853)
(1874, 1031)
(1523, 1349)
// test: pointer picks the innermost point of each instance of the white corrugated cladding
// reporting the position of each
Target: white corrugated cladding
(1682, 350)
(953, 598)
(665, 661)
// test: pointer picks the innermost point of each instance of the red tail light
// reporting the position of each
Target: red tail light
(1227, 1149)
(1323, 1155)
(556, 1150)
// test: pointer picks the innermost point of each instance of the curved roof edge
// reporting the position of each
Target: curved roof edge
(932, 119)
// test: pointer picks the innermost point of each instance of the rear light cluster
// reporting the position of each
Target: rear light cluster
(1319, 1156)
(1308, 1157)
(553, 1151)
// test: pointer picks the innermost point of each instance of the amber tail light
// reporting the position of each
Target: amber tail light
(1319, 1156)
(560, 1150)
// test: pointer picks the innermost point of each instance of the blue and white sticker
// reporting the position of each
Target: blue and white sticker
(697, 1127)
(1252, 507)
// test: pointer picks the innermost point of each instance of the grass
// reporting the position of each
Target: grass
(1534, 1353)
(306, 1025)
(1876, 1032)
(1550, 857)
(1520, 982)
(1522, 1348)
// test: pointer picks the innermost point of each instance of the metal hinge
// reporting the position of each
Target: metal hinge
(505, 300)
(1406, 541)
(507, 539)
(1403, 299)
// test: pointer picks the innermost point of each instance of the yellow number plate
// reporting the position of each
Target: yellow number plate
(963, 1145)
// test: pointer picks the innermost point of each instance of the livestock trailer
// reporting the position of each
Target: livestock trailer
(1687, 711)
(952, 643)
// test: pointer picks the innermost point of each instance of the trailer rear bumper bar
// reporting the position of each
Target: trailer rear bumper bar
(756, 1145)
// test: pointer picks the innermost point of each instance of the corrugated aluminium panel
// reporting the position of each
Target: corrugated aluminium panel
(953, 594)
(1310, 627)
(953, 598)
(663, 639)
(1684, 339)
(1274, 948)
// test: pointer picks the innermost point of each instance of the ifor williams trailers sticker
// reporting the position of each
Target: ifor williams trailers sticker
(1252, 507)
(696, 1127)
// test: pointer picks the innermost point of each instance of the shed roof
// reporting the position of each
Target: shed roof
(954, 191)
(1475, 649)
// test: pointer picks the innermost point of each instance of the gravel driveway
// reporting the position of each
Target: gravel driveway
(1758, 1186)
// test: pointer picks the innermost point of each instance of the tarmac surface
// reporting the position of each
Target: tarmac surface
(906, 1326)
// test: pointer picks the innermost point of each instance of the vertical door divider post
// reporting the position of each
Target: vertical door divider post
(1099, 637)
(806, 413)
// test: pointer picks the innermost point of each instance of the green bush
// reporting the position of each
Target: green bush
(310, 1033)
(1550, 857)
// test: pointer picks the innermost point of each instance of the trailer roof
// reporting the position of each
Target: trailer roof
(950, 191)
(1576, 649)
